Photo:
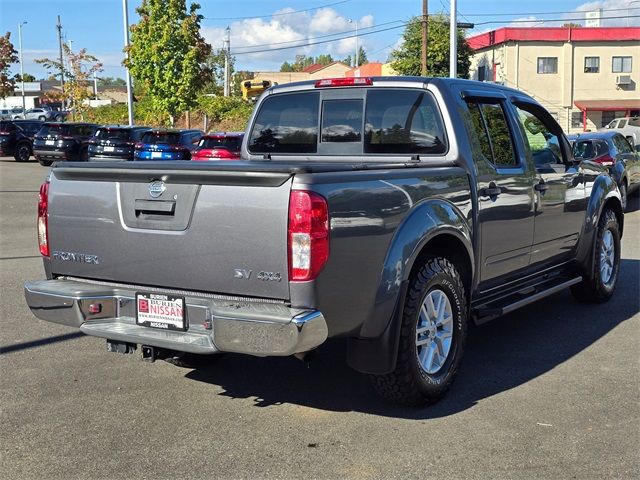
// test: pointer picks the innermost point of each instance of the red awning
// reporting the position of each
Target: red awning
(607, 105)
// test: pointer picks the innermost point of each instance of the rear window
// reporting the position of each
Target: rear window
(403, 121)
(634, 122)
(7, 127)
(161, 137)
(286, 123)
(113, 134)
(53, 129)
(230, 143)
(586, 149)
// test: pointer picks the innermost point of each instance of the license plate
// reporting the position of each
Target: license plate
(49, 142)
(160, 311)
(156, 154)
(109, 149)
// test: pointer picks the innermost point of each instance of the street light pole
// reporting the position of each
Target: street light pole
(24, 106)
(125, 14)
(453, 41)
(356, 58)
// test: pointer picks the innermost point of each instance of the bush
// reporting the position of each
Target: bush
(223, 114)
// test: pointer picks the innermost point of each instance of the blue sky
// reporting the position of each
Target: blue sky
(258, 42)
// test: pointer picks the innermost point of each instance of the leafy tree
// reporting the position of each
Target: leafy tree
(362, 58)
(406, 58)
(324, 59)
(78, 72)
(8, 55)
(215, 64)
(167, 54)
(27, 77)
(112, 82)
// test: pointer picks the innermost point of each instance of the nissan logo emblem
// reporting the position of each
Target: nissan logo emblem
(156, 188)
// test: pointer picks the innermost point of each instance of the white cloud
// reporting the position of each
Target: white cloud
(530, 21)
(299, 28)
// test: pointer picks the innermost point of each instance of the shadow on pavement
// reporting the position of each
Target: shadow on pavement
(39, 343)
(501, 355)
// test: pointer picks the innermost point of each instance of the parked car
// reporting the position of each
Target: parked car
(613, 151)
(167, 144)
(115, 142)
(10, 113)
(63, 141)
(41, 113)
(219, 146)
(16, 138)
(627, 126)
(390, 211)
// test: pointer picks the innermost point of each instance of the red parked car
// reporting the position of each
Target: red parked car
(219, 146)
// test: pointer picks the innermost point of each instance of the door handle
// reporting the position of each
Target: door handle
(541, 187)
(491, 191)
(154, 207)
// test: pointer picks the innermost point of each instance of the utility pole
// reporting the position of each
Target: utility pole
(425, 35)
(95, 86)
(227, 55)
(357, 47)
(24, 107)
(59, 27)
(453, 41)
(125, 15)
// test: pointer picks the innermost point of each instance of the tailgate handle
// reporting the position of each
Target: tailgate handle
(155, 207)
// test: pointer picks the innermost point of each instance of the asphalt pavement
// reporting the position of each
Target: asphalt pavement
(550, 391)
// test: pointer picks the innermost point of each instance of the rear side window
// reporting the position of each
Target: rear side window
(403, 121)
(492, 133)
(155, 138)
(7, 127)
(622, 144)
(286, 123)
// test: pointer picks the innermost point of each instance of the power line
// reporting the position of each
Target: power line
(543, 13)
(280, 14)
(544, 20)
(322, 36)
(320, 42)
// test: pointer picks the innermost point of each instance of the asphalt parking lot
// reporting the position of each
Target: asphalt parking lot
(551, 391)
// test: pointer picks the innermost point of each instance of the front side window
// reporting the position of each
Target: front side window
(401, 122)
(547, 64)
(621, 64)
(591, 64)
(341, 121)
(542, 143)
(492, 133)
(286, 123)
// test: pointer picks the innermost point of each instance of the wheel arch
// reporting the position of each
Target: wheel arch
(435, 227)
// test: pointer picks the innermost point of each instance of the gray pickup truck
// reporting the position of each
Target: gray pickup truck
(391, 211)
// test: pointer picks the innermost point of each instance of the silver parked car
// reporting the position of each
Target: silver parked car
(43, 114)
(10, 113)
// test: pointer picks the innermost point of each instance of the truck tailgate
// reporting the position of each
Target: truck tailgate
(211, 231)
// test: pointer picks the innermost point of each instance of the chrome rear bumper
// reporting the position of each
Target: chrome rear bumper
(214, 325)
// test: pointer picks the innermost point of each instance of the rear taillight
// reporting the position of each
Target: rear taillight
(139, 146)
(605, 160)
(308, 236)
(215, 153)
(43, 220)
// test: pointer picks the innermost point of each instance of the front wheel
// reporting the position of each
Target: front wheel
(623, 196)
(23, 152)
(45, 163)
(432, 337)
(42, 118)
(606, 263)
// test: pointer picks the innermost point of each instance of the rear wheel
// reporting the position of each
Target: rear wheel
(42, 118)
(432, 337)
(623, 195)
(23, 152)
(606, 263)
(45, 163)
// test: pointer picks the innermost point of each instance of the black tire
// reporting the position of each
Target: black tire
(23, 152)
(410, 384)
(193, 360)
(45, 163)
(596, 289)
(42, 118)
(623, 195)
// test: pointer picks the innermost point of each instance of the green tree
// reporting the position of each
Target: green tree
(111, 82)
(27, 77)
(167, 54)
(215, 64)
(286, 67)
(406, 59)
(8, 55)
(362, 57)
(78, 72)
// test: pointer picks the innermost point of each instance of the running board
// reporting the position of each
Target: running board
(498, 307)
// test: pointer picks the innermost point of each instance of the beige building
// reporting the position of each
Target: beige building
(312, 72)
(585, 77)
